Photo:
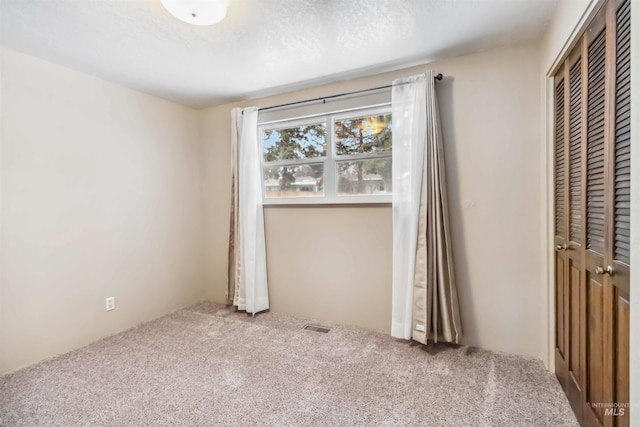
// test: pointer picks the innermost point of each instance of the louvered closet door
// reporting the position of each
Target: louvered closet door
(620, 191)
(606, 47)
(575, 204)
(592, 211)
(596, 354)
(561, 230)
(569, 201)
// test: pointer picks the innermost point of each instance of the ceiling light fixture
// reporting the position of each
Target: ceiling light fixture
(197, 12)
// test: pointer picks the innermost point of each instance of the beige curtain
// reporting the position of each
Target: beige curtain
(234, 246)
(435, 299)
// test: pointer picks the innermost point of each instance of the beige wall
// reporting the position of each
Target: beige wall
(338, 269)
(565, 23)
(490, 105)
(100, 196)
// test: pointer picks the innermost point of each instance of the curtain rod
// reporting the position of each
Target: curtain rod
(324, 98)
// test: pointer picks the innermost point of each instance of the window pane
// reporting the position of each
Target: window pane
(294, 181)
(297, 142)
(365, 134)
(364, 177)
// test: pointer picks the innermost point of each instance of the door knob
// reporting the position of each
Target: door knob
(561, 248)
(608, 271)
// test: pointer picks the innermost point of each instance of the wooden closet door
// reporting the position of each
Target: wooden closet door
(597, 319)
(618, 268)
(575, 114)
(560, 230)
(592, 218)
(607, 49)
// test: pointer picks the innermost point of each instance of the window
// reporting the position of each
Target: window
(333, 158)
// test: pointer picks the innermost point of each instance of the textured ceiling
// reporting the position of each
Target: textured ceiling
(262, 46)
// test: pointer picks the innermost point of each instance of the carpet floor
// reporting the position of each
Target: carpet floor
(209, 366)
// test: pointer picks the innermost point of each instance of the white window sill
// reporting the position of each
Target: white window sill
(328, 205)
(350, 201)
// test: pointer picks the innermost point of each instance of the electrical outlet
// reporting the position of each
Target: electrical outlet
(110, 303)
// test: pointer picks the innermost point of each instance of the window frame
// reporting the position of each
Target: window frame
(329, 161)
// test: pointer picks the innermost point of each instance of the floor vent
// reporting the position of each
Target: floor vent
(316, 328)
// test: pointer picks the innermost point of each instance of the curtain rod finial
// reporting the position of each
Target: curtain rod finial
(438, 76)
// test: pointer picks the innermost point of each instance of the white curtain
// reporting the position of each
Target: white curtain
(409, 109)
(249, 251)
(234, 233)
(424, 299)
